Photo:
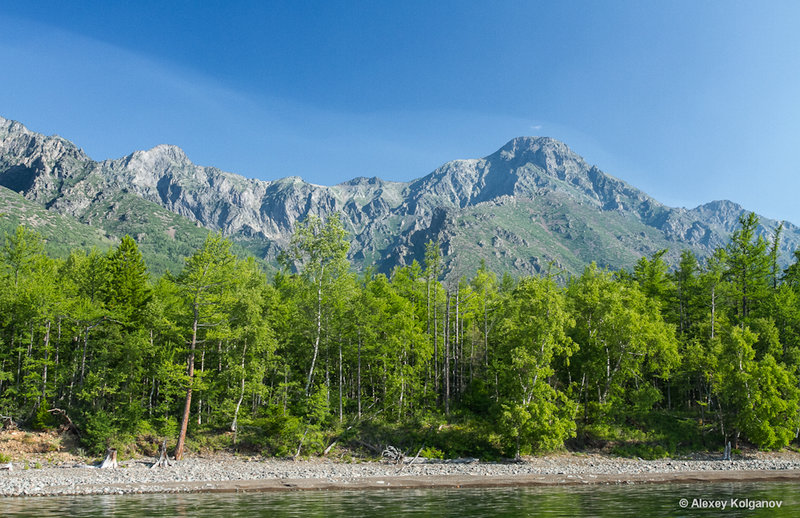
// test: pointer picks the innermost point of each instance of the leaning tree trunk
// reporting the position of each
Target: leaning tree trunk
(234, 424)
(188, 405)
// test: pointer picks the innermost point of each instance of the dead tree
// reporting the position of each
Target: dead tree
(70, 425)
(110, 462)
(163, 458)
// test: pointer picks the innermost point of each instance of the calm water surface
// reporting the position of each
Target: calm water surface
(639, 501)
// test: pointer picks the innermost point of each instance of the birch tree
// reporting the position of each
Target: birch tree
(318, 252)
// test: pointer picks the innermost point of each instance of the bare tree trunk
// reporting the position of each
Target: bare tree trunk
(359, 374)
(402, 385)
(300, 446)
(485, 333)
(86, 345)
(713, 309)
(202, 370)
(316, 340)
(83, 357)
(241, 395)
(58, 341)
(456, 345)
(150, 399)
(447, 354)
(435, 345)
(46, 358)
(285, 387)
(30, 344)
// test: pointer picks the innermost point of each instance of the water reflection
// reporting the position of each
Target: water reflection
(584, 501)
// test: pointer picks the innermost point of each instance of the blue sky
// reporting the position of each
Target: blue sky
(689, 101)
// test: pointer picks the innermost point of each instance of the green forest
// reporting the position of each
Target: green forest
(317, 359)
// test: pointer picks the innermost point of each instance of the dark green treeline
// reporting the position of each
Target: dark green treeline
(648, 362)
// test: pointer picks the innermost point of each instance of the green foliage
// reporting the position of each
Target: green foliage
(646, 451)
(278, 433)
(431, 453)
(98, 431)
(43, 420)
(622, 334)
(648, 363)
(759, 396)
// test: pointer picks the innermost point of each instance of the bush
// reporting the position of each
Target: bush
(279, 433)
(98, 432)
(43, 420)
(432, 453)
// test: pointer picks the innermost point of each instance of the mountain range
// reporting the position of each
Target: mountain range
(532, 205)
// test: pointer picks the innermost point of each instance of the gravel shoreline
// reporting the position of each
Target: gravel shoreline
(236, 474)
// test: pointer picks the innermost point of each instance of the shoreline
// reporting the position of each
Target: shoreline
(439, 482)
(236, 475)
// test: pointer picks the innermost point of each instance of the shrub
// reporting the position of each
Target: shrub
(43, 420)
(98, 431)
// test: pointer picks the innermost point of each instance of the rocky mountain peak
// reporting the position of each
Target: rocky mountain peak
(9, 127)
(158, 157)
(722, 206)
(543, 151)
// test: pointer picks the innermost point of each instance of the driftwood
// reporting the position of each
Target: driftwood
(328, 449)
(9, 467)
(412, 460)
(8, 422)
(163, 458)
(393, 454)
(110, 462)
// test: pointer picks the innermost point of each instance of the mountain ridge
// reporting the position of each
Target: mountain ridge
(530, 204)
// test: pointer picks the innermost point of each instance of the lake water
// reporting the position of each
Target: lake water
(639, 501)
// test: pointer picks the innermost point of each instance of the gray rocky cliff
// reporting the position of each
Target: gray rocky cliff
(534, 198)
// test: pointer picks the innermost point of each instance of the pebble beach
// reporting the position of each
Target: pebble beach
(237, 474)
